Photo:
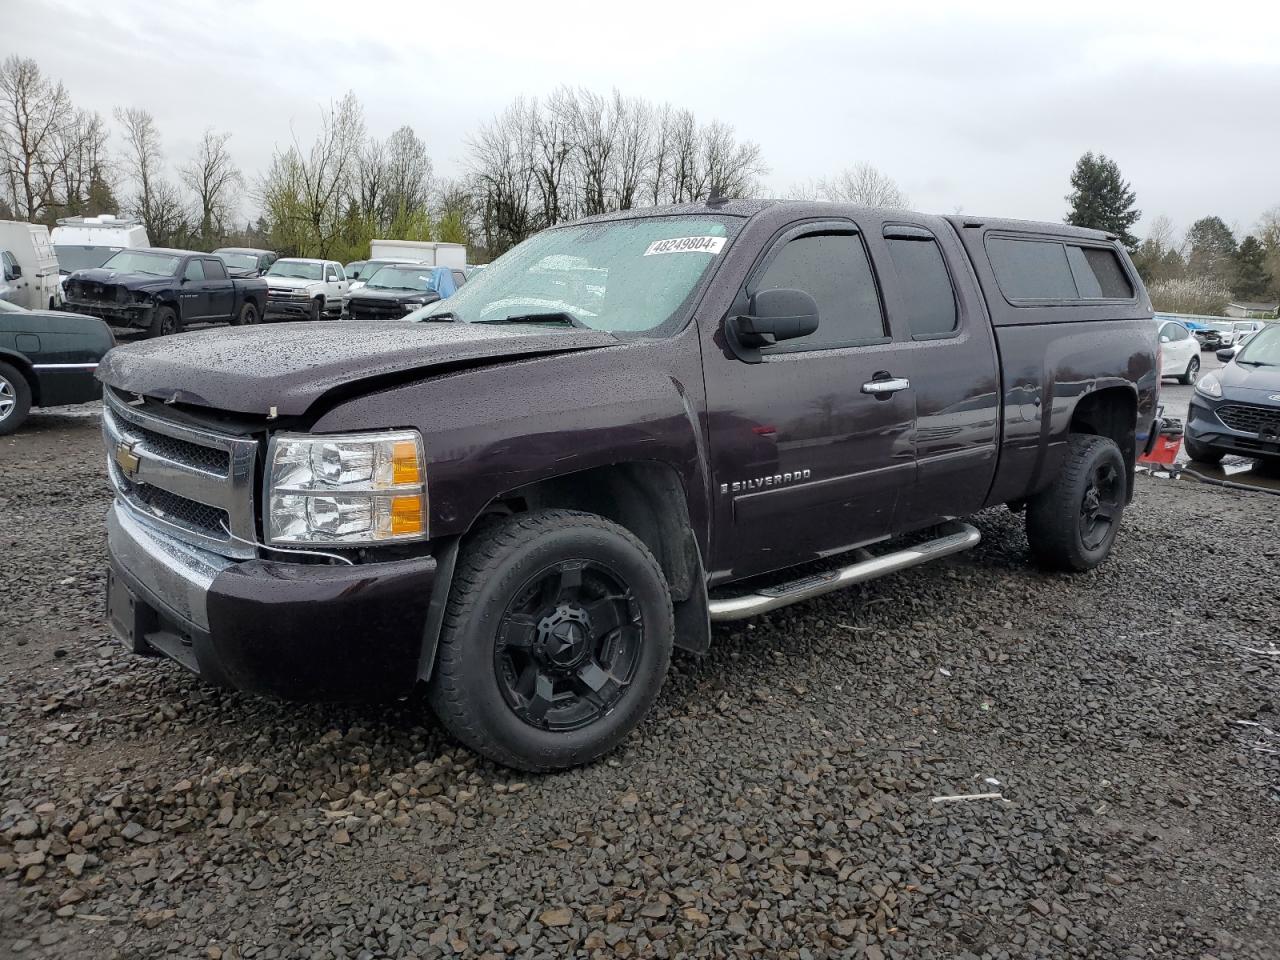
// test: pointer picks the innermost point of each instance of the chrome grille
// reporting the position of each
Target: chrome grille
(195, 483)
(1250, 419)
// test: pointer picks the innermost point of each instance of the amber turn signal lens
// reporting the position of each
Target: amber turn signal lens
(405, 467)
(406, 515)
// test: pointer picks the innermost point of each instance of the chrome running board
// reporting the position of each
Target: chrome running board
(955, 537)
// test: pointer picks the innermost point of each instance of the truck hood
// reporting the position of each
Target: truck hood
(290, 283)
(130, 281)
(289, 366)
(1239, 377)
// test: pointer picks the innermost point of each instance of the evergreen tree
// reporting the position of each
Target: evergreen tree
(1252, 280)
(1101, 199)
(1211, 250)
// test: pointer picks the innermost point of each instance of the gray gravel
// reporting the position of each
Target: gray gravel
(778, 803)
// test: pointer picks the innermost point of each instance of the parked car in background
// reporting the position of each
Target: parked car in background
(1236, 409)
(82, 243)
(1216, 335)
(305, 289)
(359, 271)
(398, 289)
(162, 291)
(28, 267)
(525, 506)
(246, 261)
(47, 358)
(1179, 352)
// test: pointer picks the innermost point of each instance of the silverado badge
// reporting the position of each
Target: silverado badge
(126, 459)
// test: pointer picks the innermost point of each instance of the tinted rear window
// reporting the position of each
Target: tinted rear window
(1055, 270)
(1031, 269)
(926, 285)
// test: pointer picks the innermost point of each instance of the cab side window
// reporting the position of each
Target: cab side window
(926, 286)
(833, 268)
(213, 270)
(194, 271)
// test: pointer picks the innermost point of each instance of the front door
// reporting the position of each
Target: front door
(195, 299)
(812, 448)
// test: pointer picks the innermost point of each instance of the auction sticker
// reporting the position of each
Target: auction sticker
(686, 245)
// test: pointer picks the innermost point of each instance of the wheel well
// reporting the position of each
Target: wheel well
(23, 366)
(647, 498)
(1111, 412)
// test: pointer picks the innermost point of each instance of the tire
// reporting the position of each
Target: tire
(520, 620)
(247, 317)
(165, 322)
(1202, 453)
(1193, 370)
(317, 310)
(1072, 525)
(15, 399)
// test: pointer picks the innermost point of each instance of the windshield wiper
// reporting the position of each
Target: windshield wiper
(1256, 363)
(444, 315)
(559, 317)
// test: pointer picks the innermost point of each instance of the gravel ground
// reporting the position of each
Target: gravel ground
(778, 803)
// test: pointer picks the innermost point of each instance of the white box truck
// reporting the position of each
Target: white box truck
(452, 255)
(82, 243)
(30, 269)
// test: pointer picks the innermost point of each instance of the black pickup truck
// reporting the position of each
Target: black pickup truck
(162, 291)
(624, 430)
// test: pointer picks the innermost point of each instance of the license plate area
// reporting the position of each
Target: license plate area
(130, 617)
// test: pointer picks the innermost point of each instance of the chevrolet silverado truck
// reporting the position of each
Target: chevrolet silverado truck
(625, 430)
(161, 291)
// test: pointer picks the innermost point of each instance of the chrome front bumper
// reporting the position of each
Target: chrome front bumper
(176, 575)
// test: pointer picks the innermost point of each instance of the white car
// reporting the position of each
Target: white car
(1179, 352)
(307, 289)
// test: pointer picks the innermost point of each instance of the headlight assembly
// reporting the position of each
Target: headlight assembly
(346, 489)
(1210, 386)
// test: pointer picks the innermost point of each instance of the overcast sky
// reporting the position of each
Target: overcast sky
(984, 110)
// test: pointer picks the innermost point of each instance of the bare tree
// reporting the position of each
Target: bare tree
(864, 185)
(634, 125)
(408, 175)
(33, 111)
(215, 179)
(83, 171)
(156, 201)
(503, 177)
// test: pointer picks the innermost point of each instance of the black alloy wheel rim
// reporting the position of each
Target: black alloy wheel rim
(568, 645)
(168, 324)
(1100, 506)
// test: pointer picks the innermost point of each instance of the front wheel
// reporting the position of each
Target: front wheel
(317, 310)
(556, 640)
(1072, 525)
(165, 322)
(15, 399)
(1193, 370)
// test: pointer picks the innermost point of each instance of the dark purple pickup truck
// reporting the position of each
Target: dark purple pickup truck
(523, 497)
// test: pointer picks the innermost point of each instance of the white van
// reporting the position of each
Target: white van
(82, 243)
(29, 277)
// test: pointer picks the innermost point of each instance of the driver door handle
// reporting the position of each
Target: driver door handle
(883, 388)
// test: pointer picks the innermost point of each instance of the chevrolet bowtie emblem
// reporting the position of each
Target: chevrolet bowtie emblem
(126, 459)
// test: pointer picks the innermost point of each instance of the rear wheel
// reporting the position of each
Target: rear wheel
(247, 317)
(556, 640)
(1193, 370)
(1072, 525)
(1202, 453)
(165, 322)
(15, 399)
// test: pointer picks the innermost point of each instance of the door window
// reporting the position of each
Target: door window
(925, 283)
(833, 269)
(194, 271)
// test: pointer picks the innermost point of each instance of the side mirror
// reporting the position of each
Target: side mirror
(1164, 339)
(1226, 356)
(775, 315)
(16, 272)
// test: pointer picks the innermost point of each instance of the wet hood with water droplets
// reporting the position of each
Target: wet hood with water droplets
(290, 366)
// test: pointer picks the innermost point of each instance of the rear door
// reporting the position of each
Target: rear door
(936, 313)
(806, 460)
(218, 289)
